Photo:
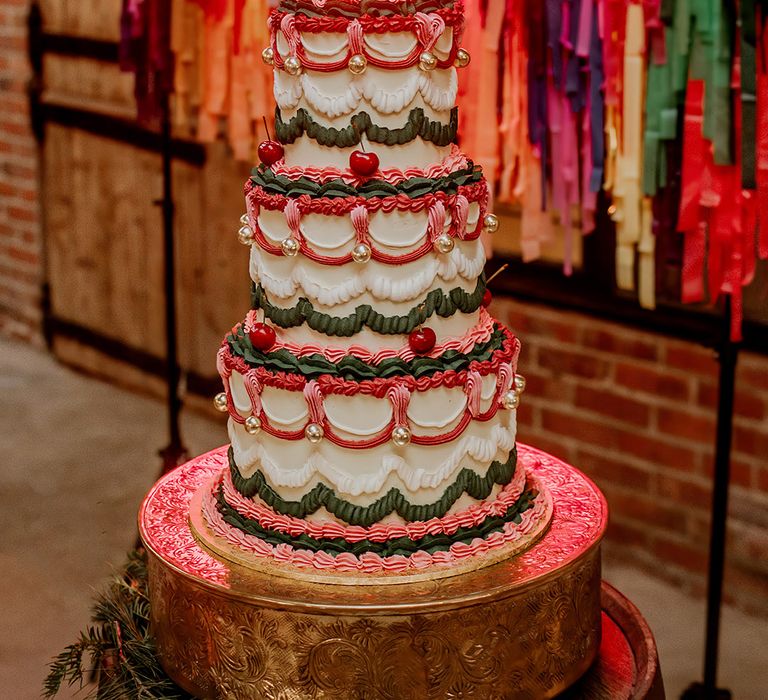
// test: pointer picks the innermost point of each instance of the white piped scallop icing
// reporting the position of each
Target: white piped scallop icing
(282, 277)
(388, 92)
(294, 467)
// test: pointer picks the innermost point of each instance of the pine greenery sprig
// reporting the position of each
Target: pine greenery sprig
(117, 651)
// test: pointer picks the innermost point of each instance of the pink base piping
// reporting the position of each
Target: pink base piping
(371, 563)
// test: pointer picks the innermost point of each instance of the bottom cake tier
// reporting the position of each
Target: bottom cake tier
(527, 626)
(255, 536)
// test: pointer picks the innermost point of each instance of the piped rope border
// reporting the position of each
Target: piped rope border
(436, 302)
(417, 125)
(323, 496)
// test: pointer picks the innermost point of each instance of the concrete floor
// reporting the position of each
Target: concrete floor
(79, 455)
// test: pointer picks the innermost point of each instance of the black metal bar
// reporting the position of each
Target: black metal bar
(80, 47)
(728, 357)
(174, 453)
(122, 352)
(122, 130)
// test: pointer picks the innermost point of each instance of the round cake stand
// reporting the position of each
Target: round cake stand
(526, 627)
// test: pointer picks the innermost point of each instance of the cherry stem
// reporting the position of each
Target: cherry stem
(266, 128)
(359, 137)
(421, 309)
(496, 274)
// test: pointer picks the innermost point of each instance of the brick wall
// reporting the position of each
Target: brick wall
(636, 412)
(20, 236)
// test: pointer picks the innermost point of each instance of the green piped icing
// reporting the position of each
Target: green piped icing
(417, 124)
(354, 369)
(322, 496)
(404, 546)
(415, 187)
(436, 302)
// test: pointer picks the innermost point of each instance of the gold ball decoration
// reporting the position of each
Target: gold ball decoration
(290, 247)
(252, 425)
(357, 64)
(510, 400)
(462, 58)
(427, 61)
(491, 223)
(401, 436)
(314, 432)
(361, 253)
(519, 383)
(444, 243)
(292, 65)
(268, 56)
(245, 235)
(244, 220)
(220, 401)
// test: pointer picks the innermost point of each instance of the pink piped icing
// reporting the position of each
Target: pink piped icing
(369, 562)
(478, 334)
(379, 532)
(455, 160)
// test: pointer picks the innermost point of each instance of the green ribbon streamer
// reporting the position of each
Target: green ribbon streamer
(354, 369)
(417, 124)
(413, 188)
(436, 302)
(404, 546)
(322, 496)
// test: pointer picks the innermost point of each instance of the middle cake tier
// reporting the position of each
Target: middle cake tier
(342, 263)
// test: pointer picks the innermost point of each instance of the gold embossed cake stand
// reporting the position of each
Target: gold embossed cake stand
(525, 627)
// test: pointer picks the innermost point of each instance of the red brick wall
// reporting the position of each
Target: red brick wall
(636, 412)
(20, 244)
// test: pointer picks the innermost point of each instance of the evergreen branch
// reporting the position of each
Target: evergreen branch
(117, 652)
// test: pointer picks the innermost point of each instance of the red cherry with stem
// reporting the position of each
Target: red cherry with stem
(422, 340)
(364, 163)
(270, 152)
(262, 336)
(487, 298)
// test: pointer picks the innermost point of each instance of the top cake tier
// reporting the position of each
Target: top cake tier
(378, 77)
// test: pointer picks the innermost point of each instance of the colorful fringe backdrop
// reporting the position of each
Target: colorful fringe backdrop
(661, 104)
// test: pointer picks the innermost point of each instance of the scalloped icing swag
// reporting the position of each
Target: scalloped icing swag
(404, 546)
(436, 302)
(353, 368)
(416, 125)
(323, 496)
(413, 188)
